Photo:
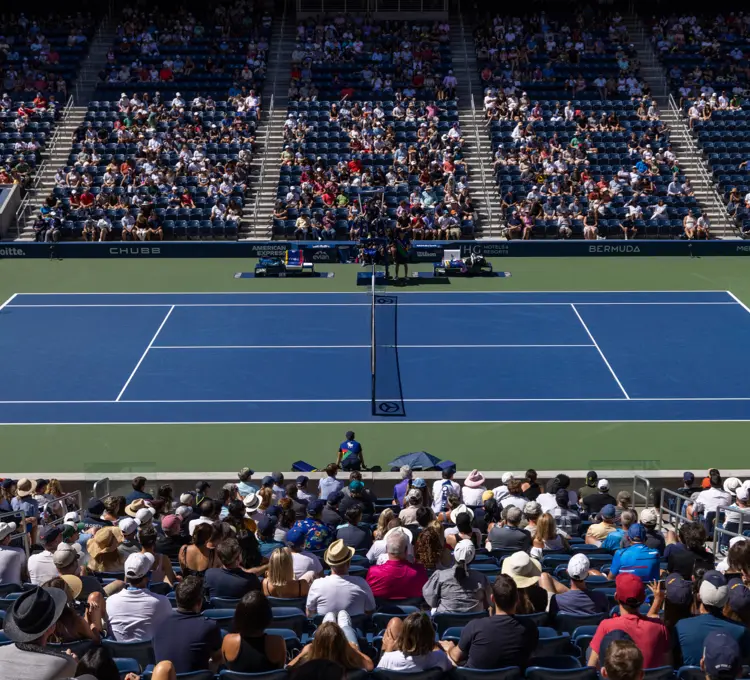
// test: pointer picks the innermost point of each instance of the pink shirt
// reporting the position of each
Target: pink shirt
(397, 579)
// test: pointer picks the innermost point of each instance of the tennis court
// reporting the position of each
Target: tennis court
(244, 357)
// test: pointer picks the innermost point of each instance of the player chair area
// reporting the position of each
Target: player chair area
(308, 357)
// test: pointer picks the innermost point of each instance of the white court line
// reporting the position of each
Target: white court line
(355, 346)
(405, 292)
(586, 328)
(738, 301)
(143, 356)
(7, 302)
(368, 304)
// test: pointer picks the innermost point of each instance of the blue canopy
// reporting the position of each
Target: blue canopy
(419, 460)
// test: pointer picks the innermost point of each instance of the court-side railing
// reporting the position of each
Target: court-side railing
(21, 534)
(69, 502)
(637, 495)
(722, 535)
(670, 509)
(101, 488)
(259, 191)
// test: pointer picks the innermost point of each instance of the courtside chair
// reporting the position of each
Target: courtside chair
(568, 623)
(431, 674)
(270, 675)
(224, 603)
(296, 602)
(508, 673)
(538, 673)
(125, 666)
(224, 617)
(193, 675)
(445, 620)
(140, 650)
(551, 642)
(291, 618)
(690, 673)
(78, 647)
(661, 673)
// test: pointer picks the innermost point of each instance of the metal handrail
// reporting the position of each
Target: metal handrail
(19, 518)
(668, 495)
(259, 191)
(75, 506)
(637, 494)
(97, 492)
(744, 514)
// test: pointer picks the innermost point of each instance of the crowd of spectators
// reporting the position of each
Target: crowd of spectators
(508, 565)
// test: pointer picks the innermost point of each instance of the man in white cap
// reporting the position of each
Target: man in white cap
(130, 545)
(135, 612)
(12, 558)
(654, 539)
(594, 502)
(500, 492)
(578, 600)
(741, 495)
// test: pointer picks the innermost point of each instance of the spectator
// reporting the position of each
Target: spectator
(317, 534)
(619, 537)
(198, 556)
(527, 573)
(29, 624)
(654, 539)
(622, 660)
(67, 559)
(331, 515)
(103, 553)
(637, 559)
(353, 535)
(690, 551)
(112, 510)
(443, 488)
(548, 537)
(594, 502)
(249, 649)
(548, 499)
(500, 492)
(170, 540)
(12, 558)
(409, 645)
(673, 595)
(462, 517)
(400, 489)
(530, 486)
(568, 520)
(532, 511)
(713, 595)
(230, 580)
(597, 533)
(412, 502)
(350, 454)
(397, 578)
(711, 498)
(722, 657)
(41, 566)
(130, 544)
(500, 640)
(590, 485)
(280, 580)
(302, 560)
(329, 484)
(579, 600)
(299, 508)
(265, 534)
(357, 496)
(458, 589)
(340, 591)
(737, 607)
(377, 554)
(509, 536)
(98, 663)
(335, 640)
(302, 493)
(650, 635)
(473, 488)
(244, 487)
(429, 547)
(207, 512)
(624, 501)
(139, 484)
(385, 519)
(187, 638)
(135, 613)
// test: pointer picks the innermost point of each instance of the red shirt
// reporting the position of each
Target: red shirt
(397, 579)
(650, 636)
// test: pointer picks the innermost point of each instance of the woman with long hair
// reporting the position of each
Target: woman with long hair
(335, 642)
(280, 581)
(383, 521)
(458, 589)
(287, 518)
(409, 645)
(530, 486)
(198, 556)
(547, 537)
(250, 558)
(162, 571)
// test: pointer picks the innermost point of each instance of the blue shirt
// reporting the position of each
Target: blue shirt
(613, 540)
(638, 559)
(399, 491)
(244, 488)
(579, 602)
(349, 448)
(26, 504)
(329, 485)
(691, 633)
(267, 547)
(318, 535)
(187, 640)
(135, 495)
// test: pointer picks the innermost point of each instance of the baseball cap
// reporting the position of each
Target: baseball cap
(65, 555)
(591, 477)
(532, 508)
(743, 493)
(629, 589)
(419, 483)
(649, 516)
(714, 591)
(245, 472)
(731, 485)
(296, 535)
(356, 485)
(267, 481)
(464, 551)
(266, 524)
(302, 480)
(679, 590)
(170, 522)
(507, 477)
(608, 511)
(128, 525)
(562, 498)
(70, 517)
(7, 483)
(314, 507)
(6, 529)
(144, 516)
(603, 484)
(186, 498)
(200, 487)
(688, 478)
(637, 532)
(578, 567)
(335, 498)
(721, 655)
(138, 565)
(414, 495)
(95, 507)
(277, 477)
(49, 533)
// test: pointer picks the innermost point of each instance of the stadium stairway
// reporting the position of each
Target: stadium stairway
(685, 148)
(477, 147)
(257, 215)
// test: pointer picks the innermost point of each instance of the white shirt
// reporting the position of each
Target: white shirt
(193, 523)
(547, 501)
(472, 497)
(437, 492)
(302, 562)
(12, 560)
(710, 499)
(134, 614)
(340, 593)
(42, 568)
(396, 661)
(500, 492)
(377, 553)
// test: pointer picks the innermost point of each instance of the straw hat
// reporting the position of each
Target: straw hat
(25, 487)
(459, 510)
(74, 583)
(104, 541)
(338, 553)
(135, 506)
(522, 568)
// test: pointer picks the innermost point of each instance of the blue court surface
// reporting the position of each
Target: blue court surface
(305, 357)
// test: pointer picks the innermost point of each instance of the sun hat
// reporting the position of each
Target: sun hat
(128, 526)
(75, 584)
(25, 487)
(135, 506)
(459, 510)
(33, 613)
(629, 589)
(522, 568)
(144, 516)
(679, 590)
(731, 484)
(402, 530)
(6, 529)
(721, 656)
(251, 501)
(65, 555)
(464, 552)
(474, 480)
(578, 567)
(138, 565)
(338, 553)
(105, 540)
(713, 590)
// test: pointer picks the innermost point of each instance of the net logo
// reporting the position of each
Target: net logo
(320, 255)
(740, 249)
(136, 251)
(12, 252)
(614, 250)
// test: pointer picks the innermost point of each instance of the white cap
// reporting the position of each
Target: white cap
(251, 501)
(737, 539)
(464, 551)
(71, 517)
(603, 484)
(578, 567)
(743, 493)
(138, 565)
(6, 529)
(507, 477)
(183, 511)
(187, 499)
(731, 485)
(649, 516)
(144, 516)
(128, 526)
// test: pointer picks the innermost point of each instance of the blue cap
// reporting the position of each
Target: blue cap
(419, 483)
(277, 477)
(302, 480)
(7, 483)
(356, 485)
(721, 655)
(314, 507)
(608, 511)
(637, 532)
(335, 498)
(296, 535)
(267, 481)
(266, 524)
(273, 511)
(688, 477)
(739, 596)
(679, 591)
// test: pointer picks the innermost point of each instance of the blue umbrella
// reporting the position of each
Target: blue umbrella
(420, 460)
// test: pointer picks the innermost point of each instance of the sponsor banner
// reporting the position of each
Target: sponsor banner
(340, 252)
